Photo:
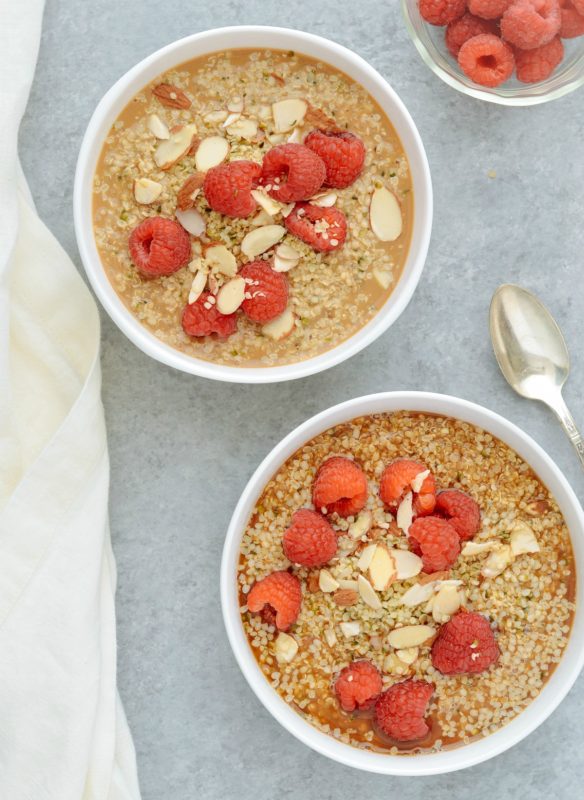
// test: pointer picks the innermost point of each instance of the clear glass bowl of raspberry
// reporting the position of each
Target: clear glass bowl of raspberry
(431, 43)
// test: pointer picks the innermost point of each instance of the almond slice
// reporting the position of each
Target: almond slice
(220, 259)
(349, 584)
(259, 240)
(157, 127)
(276, 138)
(146, 191)
(323, 199)
(350, 629)
(261, 218)
(471, 549)
(283, 265)
(174, 148)
(326, 582)
(270, 206)
(446, 603)
(331, 637)
(383, 277)
(230, 119)
(295, 137)
(288, 113)
(286, 251)
(211, 152)
(385, 215)
(265, 113)
(281, 326)
(368, 593)
(523, 539)
(191, 221)
(418, 481)
(405, 513)
(213, 117)
(364, 519)
(407, 564)
(417, 594)
(382, 569)
(393, 665)
(410, 636)
(287, 209)
(171, 96)
(408, 655)
(285, 647)
(197, 286)
(235, 105)
(231, 295)
(243, 129)
(366, 557)
(498, 561)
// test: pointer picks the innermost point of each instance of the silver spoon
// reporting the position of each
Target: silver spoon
(532, 353)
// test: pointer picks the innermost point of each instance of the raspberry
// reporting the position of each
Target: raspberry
(268, 292)
(309, 541)
(293, 172)
(488, 9)
(530, 23)
(340, 486)
(401, 709)
(358, 686)
(200, 320)
(159, 246)
(463, 29)
(461, 511)
(278, 597)
(437, 542)
(227, 188)
(396, 482)
(538, 64)
(465, 644)
(486, 59)
(441, 12)
(343, 154)
(324, 229)
(572, 24)
(578, 5)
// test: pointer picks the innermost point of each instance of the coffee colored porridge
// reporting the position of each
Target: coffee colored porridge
(261, 263)
(407, 583)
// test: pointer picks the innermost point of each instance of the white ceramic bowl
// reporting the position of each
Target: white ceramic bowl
(249, 37)
(465, 756)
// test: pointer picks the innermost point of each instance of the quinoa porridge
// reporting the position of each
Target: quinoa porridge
(253, 207)
(406, 583)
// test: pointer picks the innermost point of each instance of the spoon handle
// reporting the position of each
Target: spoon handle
(568, 424)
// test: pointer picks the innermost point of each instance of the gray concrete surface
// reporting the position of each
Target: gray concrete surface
(182, 448)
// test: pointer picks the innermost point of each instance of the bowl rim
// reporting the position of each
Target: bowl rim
(555, 688)
(319, 47)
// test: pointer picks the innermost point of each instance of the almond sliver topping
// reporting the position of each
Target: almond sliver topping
(197, 286)
(382, 569)
(281, 326)
(285, 647)
(523, 539)
(323, 199)
(497, 561)
(231, 295)
(410, 636)
(326, 582)
(350, 629)
(471, 549)
(220, 259)
(383, 277)
(211, 152)
(171, 150)
(191, 221)
(157, 127)
(146, 191)
(417, 594)
(259, 240)
(366, 557)
(408, 655)
(243, 129)
(407, 564)
(364, 519)
(405, 513)
(385, 215)
(288, 114)
(283, 264)
(418, 481)
(269, 205)
(368, 593)
(213, 117)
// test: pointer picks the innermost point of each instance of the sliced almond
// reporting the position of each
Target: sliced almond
(175, 147)
(523, 539)
(382, 569)
(276, 138)
(368, 593)
(331, 637)
(407, 564)
(288, 114)
(287, 209)
(231, 295)
(348, 583)
(259, 240)
(197, 286)
(418, 481)
(285, 647)
(405, 513)
(446, 603)
(270, 206)
(235, 105)
(471, 549)
(363, 522)
(261, 218)
(498, 561)
(350, 629)
(410, 636)
(323, 199)
(408, 655)
(326, 582)
(211, 152)
(366, 557)
(280, 327)
(265, 113)
(393, 665)
(417, 594)
(191, 221)
(243, 128)
(146, 191)
(231, 119)
(295, 137)
(385, 215)
(286, 251)
(383, 277)
(220, 259)
(283, 264)
(214, 117)
(189, 191)
(157, 127)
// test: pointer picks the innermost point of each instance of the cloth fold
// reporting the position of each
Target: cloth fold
(63, 733)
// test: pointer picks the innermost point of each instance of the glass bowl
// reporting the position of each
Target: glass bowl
(430, 43)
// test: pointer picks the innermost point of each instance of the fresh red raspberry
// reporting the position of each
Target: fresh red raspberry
(340, 486)
(538, 64)
(463, 29)
(489, 9)
(358, 686)
(267, 290)
(465, 644)
(396, 482)
(400, 711)
(227, 188)
(201, 318)
(159, 246)
(278, 598)
(324, 229)
(486, 59)
(436, 541)
(309, 541)
(441, 12)
(579, 6)
(572, 21)
(343, 154)
(292, 172)
(461, 511)
(528, 24)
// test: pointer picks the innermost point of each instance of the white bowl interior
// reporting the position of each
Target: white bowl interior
(428, 764)
(249, 37)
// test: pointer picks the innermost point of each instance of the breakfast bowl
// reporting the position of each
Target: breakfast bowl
(338, 296)
(514, 575)
(430, 43)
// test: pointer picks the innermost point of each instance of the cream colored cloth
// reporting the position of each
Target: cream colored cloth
(63, 733)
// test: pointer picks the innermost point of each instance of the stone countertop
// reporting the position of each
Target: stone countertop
(508, 208)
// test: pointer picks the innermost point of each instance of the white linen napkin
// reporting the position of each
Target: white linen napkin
(63, 733)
